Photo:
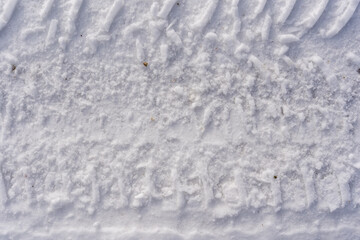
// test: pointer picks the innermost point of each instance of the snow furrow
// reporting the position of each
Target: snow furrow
(342, 20)
(312, 17)
(174, 37)
(234, 10)
(327, 188)
(309, 186)
(276, 192)
(46, 9)
(114, 10)
(353, 58)
(343, 176)
(286, 11)
(50, 38)
(3, 194)
(7, 13)
(241, 188)
(205, 17)
(260, 5)
(139, 50)
(9, 120)
(260, 67)
(266, 28)
(345, 192)
(165, 10)
(70, 24)
(131, 28)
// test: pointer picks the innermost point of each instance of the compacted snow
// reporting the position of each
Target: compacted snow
(174, 119)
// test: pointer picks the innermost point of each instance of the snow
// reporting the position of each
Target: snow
(342, 20)
(288, 6)
(266, 28)
(287, 38)
(3, 195)
(114, 10)
(179, 119)
(353, 58)
(50, 38)
(7, 12)
(201, 21)
(312, 16)
(259, 8)
(165, 10)
(48, 4)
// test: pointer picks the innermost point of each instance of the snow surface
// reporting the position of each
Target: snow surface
(197, 119)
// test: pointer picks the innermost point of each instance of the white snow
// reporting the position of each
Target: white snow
(312, 16)
(114, 10)
(205, 16)
(237, 22)
(260, 5)
(341, 20)
(70, 25)
(3, 194)
(308, 179)
(174, 37)
(287, 7)
(166, 8)
(48, 4)
(7, 12)
(50, 38)
(179, 119)
(266, 28)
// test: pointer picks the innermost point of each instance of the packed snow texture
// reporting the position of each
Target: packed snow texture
(174, 119)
